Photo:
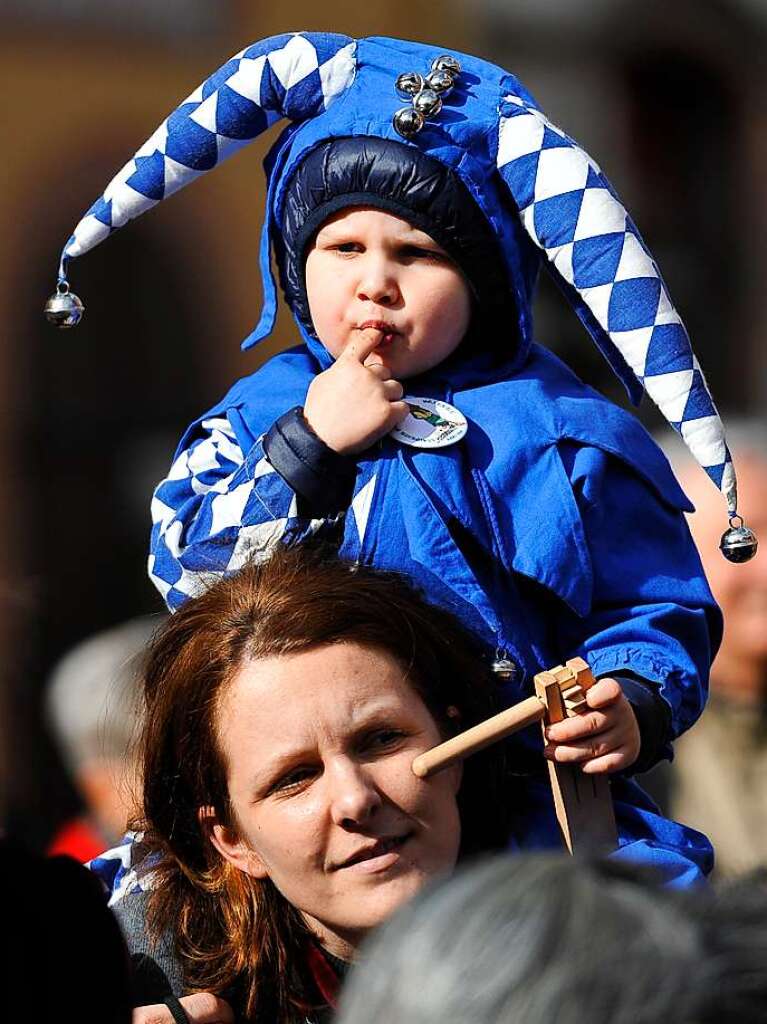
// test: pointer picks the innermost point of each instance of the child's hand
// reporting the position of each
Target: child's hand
(350, 406)
(603, 739)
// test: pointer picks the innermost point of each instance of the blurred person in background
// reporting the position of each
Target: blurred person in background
(718, 782)
(547, 938)
(92, 707)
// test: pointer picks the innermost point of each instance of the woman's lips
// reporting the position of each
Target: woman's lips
(378, 857)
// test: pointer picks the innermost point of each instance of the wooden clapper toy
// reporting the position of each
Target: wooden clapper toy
(583, 803)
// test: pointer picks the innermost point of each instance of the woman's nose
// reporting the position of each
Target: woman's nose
(378, 282)
(354, 797)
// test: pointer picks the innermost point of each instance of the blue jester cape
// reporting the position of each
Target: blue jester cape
(555, 528)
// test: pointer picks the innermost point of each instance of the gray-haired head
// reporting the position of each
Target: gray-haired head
(544, 939)
(92, 701)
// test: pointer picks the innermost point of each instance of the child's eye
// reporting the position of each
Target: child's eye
(417, 252)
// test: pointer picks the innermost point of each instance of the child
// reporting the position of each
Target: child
(537, 511)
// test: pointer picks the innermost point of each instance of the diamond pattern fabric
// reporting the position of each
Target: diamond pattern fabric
(295, 75)
(570, 211)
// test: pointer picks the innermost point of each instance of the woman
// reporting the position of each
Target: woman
(282, 819)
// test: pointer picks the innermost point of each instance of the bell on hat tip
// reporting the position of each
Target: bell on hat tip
(738, 544)
(64, 308)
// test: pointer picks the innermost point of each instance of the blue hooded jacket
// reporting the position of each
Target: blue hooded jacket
(555, 528)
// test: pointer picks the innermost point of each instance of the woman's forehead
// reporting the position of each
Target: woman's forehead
(334, 688)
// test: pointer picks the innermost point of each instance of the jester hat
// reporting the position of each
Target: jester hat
(545, 199)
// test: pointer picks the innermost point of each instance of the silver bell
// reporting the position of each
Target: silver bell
(738, 544)
(408, 122)
(409, 83)
(504, 668)
(428, 103)
(440, 81)
(446, 63)
(64, 308)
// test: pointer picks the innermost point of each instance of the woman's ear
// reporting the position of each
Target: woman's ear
(231, 847)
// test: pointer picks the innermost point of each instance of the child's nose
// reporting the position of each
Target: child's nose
(378, 283)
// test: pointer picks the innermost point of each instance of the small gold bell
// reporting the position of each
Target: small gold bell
(64, 308)
(504, 668)
(738, 544)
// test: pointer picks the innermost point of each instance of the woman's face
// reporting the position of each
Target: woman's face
(318, 747)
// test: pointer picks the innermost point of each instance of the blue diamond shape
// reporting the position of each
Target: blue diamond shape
(633, 304)
(595, 260)
(218, 78)
(238, 117)
(699, 402)
(716, 472)
(149, 176)
(189, 143)
(268, 45)
(557, 218)
(102, 211)
(305, 97)
(551, 140)
(520, 175)
(669, 350)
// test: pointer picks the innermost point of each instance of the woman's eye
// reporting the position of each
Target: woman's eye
(382, 739)
(293, 780)
(348, 247)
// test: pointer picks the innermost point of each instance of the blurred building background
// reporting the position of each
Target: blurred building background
(668, 98)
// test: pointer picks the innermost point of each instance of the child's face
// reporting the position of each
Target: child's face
(374, 276)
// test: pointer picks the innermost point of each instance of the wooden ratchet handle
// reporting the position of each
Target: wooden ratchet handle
(478, 737)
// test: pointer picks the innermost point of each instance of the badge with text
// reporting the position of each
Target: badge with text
(430, 424)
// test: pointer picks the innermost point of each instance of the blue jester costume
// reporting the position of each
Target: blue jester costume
(555, 528)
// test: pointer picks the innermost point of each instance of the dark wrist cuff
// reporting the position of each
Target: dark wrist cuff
(322, 477)
(653, 718)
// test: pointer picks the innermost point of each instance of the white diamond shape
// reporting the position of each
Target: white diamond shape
(705, 439)
(634, 261)
(247, 79)
(294, 61)
(600, 214)
(518, 136)
(633, 346)
(670, 392)
(227, 509)
(88, 233)
(560, 170)
(337, 74)
(256, 542)
(177, 175)
(361, 504)
(562, 258)
(205, 114)
(598, 301)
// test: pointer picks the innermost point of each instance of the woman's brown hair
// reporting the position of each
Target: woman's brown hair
(231, 931)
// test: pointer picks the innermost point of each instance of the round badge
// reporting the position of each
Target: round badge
(430, 424)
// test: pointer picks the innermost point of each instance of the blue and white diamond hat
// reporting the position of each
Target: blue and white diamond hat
(546, 199)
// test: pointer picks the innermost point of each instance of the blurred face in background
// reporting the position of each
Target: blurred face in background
(740, 668)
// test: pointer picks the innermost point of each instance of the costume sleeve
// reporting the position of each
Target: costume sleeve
(218, 506)
(652, 615)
